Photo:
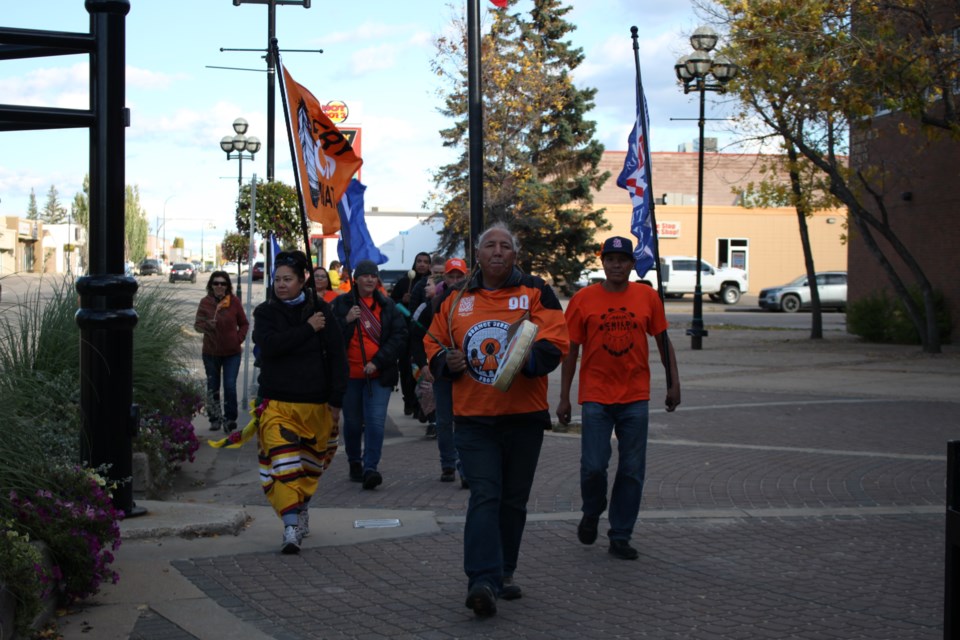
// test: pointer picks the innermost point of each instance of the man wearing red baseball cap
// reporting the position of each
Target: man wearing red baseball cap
(455, 271)
(455, 265)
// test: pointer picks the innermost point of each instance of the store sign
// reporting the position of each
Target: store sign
(336, 110)
(668, 229)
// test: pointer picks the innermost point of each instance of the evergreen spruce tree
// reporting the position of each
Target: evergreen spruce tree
(33, 213)
(53, 212)
(540, 159)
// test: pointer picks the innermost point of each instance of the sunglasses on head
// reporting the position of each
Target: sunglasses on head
(285, 261)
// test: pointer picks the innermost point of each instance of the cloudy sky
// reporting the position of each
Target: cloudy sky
(376, 59)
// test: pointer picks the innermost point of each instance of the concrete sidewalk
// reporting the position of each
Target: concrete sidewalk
(798, 492)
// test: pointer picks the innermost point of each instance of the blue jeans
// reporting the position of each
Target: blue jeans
(499, 462)
(364, 414)
(629, 422)
(443, 396)
(226, 368)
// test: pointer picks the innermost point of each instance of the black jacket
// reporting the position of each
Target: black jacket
(393, 334)
(298, 364)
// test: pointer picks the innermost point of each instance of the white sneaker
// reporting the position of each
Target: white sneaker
(303, 523)
(291, 540)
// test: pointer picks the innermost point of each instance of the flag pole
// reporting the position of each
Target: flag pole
(649, 179)
(275, 52)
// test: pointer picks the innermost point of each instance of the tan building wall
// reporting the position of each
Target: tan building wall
(774, 254)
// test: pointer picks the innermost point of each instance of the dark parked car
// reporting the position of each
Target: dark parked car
(390, 277)
(795, 295)
(183, 271)
(150, 267)
(258, 270)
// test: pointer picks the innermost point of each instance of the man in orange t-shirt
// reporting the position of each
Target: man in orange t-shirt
(612, 320)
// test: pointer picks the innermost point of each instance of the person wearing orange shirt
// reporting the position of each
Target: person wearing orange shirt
(612, 320)
(321, 281)
(375, 332)
(498, 434)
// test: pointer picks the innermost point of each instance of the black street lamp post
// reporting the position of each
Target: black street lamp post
(694, 71)
(235, 145)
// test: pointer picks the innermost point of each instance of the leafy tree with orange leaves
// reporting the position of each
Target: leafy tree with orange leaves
(817, 73)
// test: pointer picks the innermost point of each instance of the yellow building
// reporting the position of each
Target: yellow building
(764, 242)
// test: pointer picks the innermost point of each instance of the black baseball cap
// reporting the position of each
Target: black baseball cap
(617, 244)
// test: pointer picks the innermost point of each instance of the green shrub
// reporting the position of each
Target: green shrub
(45, 495)
(21, 574)
(878, 318)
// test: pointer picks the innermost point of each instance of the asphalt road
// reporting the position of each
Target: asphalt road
(19, 288)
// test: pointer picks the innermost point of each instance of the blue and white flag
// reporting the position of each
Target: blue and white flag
(355, 243)
(635, 178)
(271, 256)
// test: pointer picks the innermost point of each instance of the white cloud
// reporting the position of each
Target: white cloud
(377, 58)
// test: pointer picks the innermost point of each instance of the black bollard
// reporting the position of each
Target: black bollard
(951, 590)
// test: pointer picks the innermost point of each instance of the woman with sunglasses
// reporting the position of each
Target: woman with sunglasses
(321, 280)
(303, 377)
(221, 320)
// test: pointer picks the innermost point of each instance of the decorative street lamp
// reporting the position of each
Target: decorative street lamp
(694, 70)
(234, 146)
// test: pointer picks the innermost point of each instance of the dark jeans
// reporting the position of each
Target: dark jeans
(443, 396)
(225, 369)
(364, 415)
(630, 422)
(499, 462)
(408, 384)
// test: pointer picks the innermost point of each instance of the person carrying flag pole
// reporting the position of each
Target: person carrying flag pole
(611, 321)
(303, 362)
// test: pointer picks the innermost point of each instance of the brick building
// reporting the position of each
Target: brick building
(921, 191)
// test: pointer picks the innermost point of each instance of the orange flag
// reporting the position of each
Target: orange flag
(325, 160)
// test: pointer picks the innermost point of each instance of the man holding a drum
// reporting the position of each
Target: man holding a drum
(612, 320)
(498, 429)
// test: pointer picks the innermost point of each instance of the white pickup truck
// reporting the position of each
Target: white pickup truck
(680, 277)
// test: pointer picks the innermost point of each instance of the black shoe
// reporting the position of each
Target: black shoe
(622, 549)
(214, 426)
(587, 529)
(409, 408)
(482, 600)
(464, 484)
(431, 431)
(356, 472)
(448, 475)
(230, 426)
(372, 479)
(510, 591)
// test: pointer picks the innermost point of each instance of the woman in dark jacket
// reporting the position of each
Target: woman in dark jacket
(402, 293)
(303, 370)
(221, 320)
(375, 333)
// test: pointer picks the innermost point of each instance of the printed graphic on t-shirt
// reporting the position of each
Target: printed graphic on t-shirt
(617, 331)
(483, 344)
(466, 306)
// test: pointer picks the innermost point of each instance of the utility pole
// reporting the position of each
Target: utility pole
(271, 71)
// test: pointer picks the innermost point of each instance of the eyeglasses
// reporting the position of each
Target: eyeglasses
(218, 283)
